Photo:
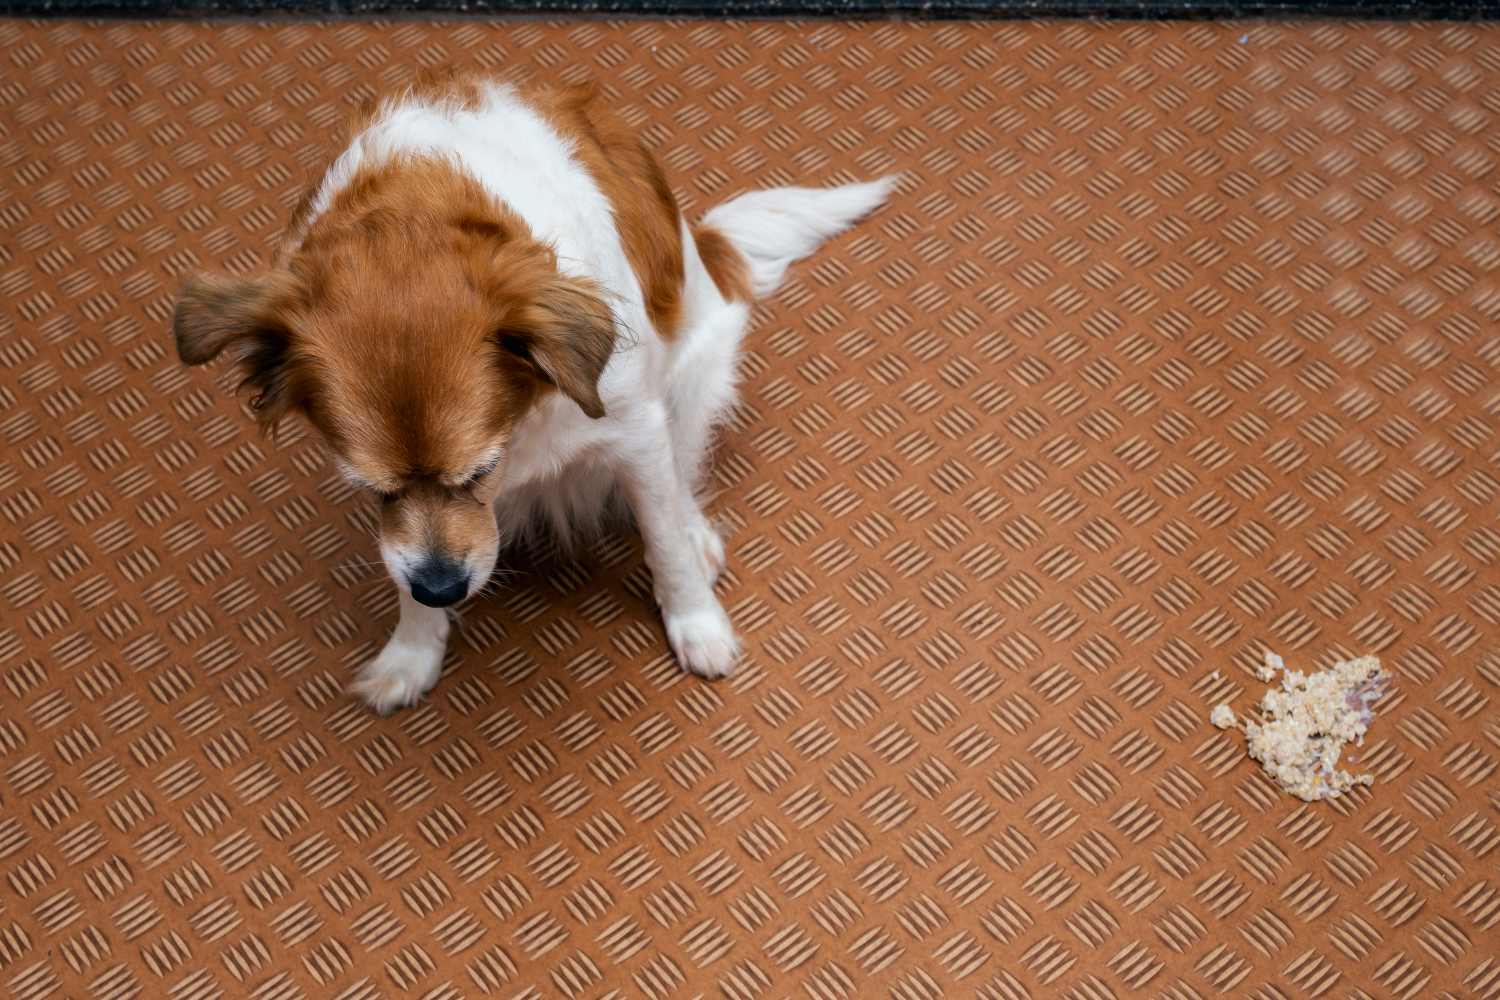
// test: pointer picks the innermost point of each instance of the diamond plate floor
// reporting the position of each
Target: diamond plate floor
(1178, 344)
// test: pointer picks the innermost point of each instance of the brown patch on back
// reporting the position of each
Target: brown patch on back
(724, 263)
(646, 213)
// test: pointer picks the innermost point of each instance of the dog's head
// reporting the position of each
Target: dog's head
(413, 324)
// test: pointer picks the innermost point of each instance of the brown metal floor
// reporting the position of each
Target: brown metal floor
(1179, 344)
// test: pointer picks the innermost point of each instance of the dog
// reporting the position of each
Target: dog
(492, 310)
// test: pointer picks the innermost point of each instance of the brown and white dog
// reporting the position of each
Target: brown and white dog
(493, 312)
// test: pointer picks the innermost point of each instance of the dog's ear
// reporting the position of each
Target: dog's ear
(566, 333)
(216, 315)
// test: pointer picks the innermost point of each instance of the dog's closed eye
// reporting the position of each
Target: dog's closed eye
(468, 484)
(359, 482)
(480, 473)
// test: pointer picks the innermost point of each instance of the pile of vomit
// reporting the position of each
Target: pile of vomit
(1307, 722)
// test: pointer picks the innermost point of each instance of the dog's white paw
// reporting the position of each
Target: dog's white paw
(400, 675)
(708, 546)
(704, 641)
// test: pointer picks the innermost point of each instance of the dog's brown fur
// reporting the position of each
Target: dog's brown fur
(724, 263)
(645, 209)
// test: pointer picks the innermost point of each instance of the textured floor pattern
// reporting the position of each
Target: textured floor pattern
(1178, 344)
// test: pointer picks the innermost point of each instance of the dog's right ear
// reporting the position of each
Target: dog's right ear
(566, 333)
(215, 315)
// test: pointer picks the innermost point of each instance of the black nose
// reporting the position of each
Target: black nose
(438, 583)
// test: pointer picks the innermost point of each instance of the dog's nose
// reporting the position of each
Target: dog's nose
(438, 583)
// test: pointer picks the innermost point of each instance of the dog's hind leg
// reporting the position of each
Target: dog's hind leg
(702, 389)
(411, 661)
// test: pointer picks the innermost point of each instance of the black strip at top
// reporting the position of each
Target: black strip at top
(1420, 10)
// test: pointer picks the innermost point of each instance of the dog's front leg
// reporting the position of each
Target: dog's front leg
(411, 661)
(683, 551)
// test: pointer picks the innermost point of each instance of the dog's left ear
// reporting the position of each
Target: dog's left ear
(243, 319)
(566, 333)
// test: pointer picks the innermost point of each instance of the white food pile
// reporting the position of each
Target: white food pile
(1308, 722)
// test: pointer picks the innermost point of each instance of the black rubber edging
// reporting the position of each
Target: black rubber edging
(1398, 10)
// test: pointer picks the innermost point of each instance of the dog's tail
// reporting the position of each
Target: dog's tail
(775, 227)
